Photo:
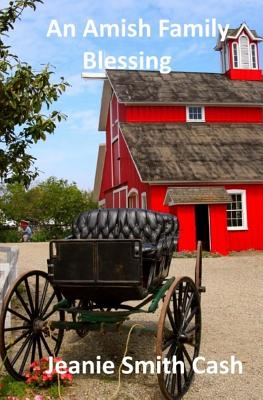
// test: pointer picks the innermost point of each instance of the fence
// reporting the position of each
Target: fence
(8, 271)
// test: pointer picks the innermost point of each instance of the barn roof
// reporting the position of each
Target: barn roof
(133, 87)
(196, 152)
(182, 88)
(196, 195)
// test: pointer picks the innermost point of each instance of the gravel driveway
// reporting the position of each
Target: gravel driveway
(232, 325)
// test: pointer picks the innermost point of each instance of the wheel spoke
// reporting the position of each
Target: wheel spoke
(17, 328)
(47, 305)
(54, 338)
(20, 351)
(187, 309)
(33, 355)
(22, 366)
(18, 315)
(171, 351)
(22, 301)
(191, 329)
(174, 379)
(37, 294)
(45, 344)
(179, 308)
(171, 319)
(43, 297)
(168, 378)
(29, 296)
(185, 371)
(189, 319)
(40, 354)
(175, 308)
(179, 378)
(21, 337)
(48, 315)
(185, 352)
(185, 297)
(168, 343)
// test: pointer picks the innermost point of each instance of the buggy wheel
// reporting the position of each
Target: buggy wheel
(22, 339)
(179, 335)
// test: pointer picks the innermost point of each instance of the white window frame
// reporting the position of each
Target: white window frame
(133, 192)
(144, 200)
(223, 65)
(226, 57)
(233, 59)
(244, 226)
(123, 188)
(188, 119)
(253, 45)
(241, 66)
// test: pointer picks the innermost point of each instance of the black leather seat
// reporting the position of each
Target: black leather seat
(158, 232)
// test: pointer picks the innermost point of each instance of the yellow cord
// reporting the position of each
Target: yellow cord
(124, 355)
(58, 378)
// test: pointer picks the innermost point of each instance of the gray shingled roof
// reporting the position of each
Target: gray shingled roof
(233, 32)
(196, 152)
(183, 88)
(196, 195)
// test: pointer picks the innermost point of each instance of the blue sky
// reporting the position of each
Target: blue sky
(71, 153)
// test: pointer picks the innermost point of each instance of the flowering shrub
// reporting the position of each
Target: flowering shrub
(37, 397)
(38, 373)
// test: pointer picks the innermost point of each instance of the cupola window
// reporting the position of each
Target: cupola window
(254, 56)
(244, 52)
(235, 55)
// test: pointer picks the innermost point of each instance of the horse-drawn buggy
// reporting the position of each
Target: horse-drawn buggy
(113, 258)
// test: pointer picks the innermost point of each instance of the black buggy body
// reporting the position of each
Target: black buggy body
(114, 255)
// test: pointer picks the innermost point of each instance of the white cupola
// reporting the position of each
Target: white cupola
(240, 53)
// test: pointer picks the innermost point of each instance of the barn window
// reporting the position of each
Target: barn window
(226, 57)
(235, 55)
(244, 52)
(237, 210)
(254, 63)
(133, 198)
(144, 200)
(195, 114)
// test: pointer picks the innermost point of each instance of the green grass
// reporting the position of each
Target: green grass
(11, 387)
(192, 254)
(52, 391)
(19, 389)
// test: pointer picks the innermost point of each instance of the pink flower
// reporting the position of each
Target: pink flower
(34, 364)
(47, 377)
(56, 359)
(66, 376)
(38, 375)
(38, 397)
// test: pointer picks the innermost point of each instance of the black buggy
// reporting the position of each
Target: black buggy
(114, 256)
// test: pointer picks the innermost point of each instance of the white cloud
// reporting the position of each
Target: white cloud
(85, 122)
(80, 85)
(195, 48)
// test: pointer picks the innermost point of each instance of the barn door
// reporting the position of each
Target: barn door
(202, 225)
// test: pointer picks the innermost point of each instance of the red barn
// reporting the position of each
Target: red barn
(190, 144)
